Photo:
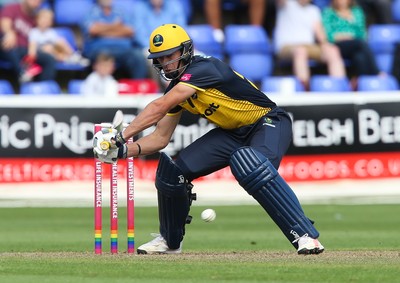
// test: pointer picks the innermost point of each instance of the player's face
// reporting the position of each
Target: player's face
(170, 63)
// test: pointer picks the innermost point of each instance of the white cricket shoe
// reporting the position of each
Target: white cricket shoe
(158, 246)
(309, 245)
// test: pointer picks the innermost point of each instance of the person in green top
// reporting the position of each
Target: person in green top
(345, 26)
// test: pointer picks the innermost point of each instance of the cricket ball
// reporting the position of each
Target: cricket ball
(208, 215)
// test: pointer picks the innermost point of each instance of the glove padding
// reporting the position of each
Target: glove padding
(119, 140)
(110, 157)
(104, 147)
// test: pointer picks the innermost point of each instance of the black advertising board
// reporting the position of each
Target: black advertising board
(52, 130)
(344, 128)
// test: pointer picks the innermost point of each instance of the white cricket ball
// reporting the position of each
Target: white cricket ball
(208, 215)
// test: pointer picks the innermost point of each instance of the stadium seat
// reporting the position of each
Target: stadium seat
(328, 84)
(6, 88)
(204, 41)
(246, 39)
(384, 62)
(45, 4)
(40, 88)
(254, 67)
(137, 86)
(382, 39)
(396, 10)
(71, 12)
(377, 83)
(281, 84)
(322, 3)
(74, 86)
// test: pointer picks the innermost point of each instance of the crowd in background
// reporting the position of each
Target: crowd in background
(113, 41)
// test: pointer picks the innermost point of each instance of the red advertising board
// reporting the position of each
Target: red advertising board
(293, 168)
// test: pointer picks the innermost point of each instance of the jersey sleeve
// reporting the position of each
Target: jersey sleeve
(203, 74)
(177, 109)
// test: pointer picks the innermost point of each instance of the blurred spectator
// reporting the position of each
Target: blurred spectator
(377, 11)
(213, 13)
(345, 26)
(6, 2)
(101, 81)
(110, 30)
(299, 36)
(16, 22)
(151, 14)
(45, 38)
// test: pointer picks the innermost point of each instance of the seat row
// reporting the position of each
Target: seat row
(125, 86)
(270, 85)
(251, 52)
(66, 12)
(327, 84)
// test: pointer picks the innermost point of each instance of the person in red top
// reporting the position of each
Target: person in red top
(16, 20)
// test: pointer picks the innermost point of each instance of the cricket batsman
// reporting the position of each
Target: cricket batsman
(251, 137)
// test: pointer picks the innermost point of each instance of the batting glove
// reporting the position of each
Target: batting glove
(103, 141)
(119, 139)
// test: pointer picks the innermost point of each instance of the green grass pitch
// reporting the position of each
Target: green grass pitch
(241, 245)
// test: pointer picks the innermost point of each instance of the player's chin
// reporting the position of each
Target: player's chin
(171, 75)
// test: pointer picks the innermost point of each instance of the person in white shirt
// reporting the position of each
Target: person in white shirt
(101, 81)
(45, 38)
(300, 36)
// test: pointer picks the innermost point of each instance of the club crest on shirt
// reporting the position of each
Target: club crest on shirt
(268, 122)
(186, 77)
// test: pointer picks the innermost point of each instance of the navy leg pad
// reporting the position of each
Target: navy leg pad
(173, 201)
(260, 179)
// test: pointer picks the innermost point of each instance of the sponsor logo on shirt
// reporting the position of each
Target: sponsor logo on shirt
(186, 77)
(211, 109)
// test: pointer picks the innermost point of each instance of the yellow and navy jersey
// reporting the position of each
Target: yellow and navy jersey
(222, 96)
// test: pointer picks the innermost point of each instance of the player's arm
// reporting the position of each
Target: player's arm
(157, 140)
(157, 109)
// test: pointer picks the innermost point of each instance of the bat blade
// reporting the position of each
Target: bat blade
(118, 120)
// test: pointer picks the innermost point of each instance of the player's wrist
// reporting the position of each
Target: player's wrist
(119, 140)
(123, 152)
(139, 149)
